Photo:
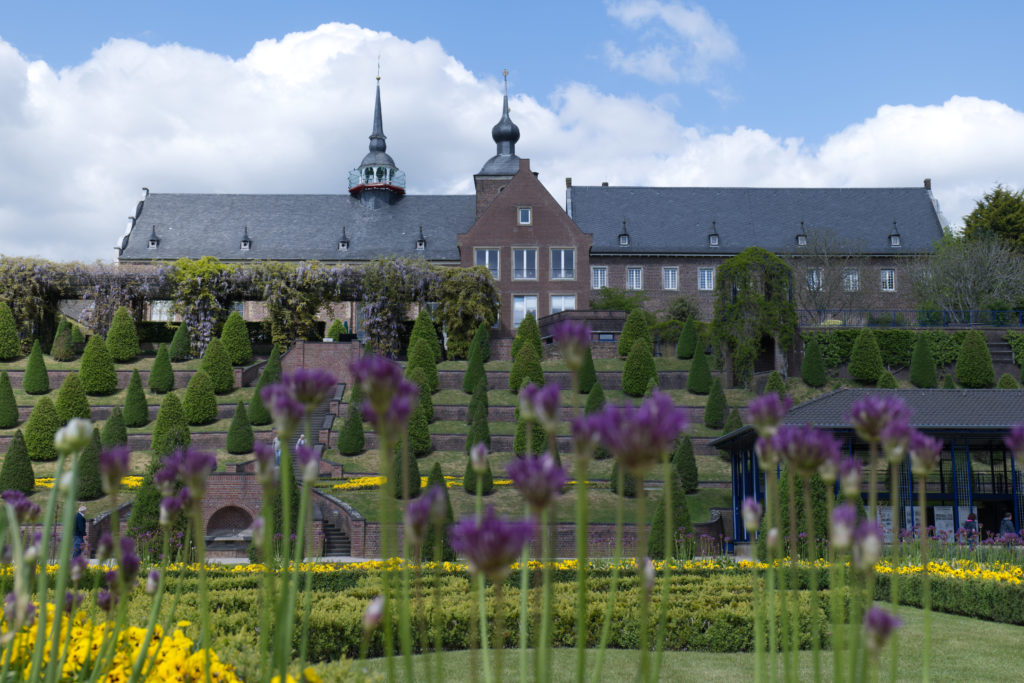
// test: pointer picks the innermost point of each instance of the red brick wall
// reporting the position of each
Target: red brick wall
(331, 356)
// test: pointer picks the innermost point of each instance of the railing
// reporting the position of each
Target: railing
(524, 274)
(563, 274)
(379, 179)
(882, 317)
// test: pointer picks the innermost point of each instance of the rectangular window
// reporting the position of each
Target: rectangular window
(563, 264)
(851, 280)
(634, 278)
(524, 215)
(888, 280)
(489, 259)
(598, 277)
(521, 305)
(524, 264)
(160, 311)
(814, 280)
(670, 278)
(563, 302)
(706, 279)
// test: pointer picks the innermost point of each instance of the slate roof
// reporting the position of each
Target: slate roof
(678, 219)
(300, 227)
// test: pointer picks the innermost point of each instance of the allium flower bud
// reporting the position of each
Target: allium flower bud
(772, 540)
(374, 613)
(1015, 440)
(419, 513)
(878, 626)
(113, 464)
(850, 475)
(104, 546)
(539, 479)
(257, 532)
(895, 437)
(844, 519)
(490, 544)
(31, 553)
(752, 512)
(925, 452)
(870, 415)
(285, 409)
(66, 479)
(868, 543)
(573, 338)
(74, 436)
(586, 434)
(766, 412)
(78, 565)
(309, 460)
(309, 386)
(24, 509)
(478, 457)
(266, 468)
(106, 600)
(638, 437)
(72, 599)
(649, 575)
(152, 581)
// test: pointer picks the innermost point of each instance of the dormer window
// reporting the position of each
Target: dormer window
(524, 215)
(801, 240)
(154, 241)
(246, 243)
(421, 243)
(894, 236)
(624, 240)
(713, 235)
(343, 242)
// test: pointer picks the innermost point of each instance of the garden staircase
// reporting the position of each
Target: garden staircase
(336, 542)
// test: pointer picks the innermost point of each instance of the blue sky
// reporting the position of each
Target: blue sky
(635, 92)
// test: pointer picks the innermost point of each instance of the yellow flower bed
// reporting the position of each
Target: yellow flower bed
(369, 483)
(130, 483)
(958, 569)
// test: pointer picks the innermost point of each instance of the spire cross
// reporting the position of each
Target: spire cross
(504, 73)
(378, 68)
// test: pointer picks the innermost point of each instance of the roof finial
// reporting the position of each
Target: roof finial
(378, 67)
(504, 73)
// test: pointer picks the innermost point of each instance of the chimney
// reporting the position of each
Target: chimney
(604, 183)
(928, 183)
(568, 182)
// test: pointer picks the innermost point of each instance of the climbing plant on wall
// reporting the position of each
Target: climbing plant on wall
(466, 297)
(203, 292)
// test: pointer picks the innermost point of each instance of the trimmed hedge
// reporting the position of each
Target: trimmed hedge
(426, 403)
(698, 380)
(481, 339)
(258, 413)
(685, 465)
(479, 429)
(525, 368)
(424, 329)
(714, 410)
(200, 404)
(775, 383)
(235, 337)
(974, 364)
(866, 358)
(217, 365)
(114, 432)
(8, 406)
(923, 373)
(63, 347)
(527, 332)
(687, 343)
(180, 349)
(136, 408)
(634, 329)
(422, 356)
(16, 473)
(90, 486)
(886, 381)
(169, 418)
(40, 429)
(351, 440)
(10, 347)
(161, 375)
(77, 340)
(419, 435)
(639, 369)
(1006, 381)
(474, 370)
(334, 331)
(97, 368)
(122, 338)
(896, 346)
(435, 534)
(36, 380)
(588, 374)
(812, 369)
(469, 479)
(240, 437)
(478, 402)
(71, 401)
(539, 443)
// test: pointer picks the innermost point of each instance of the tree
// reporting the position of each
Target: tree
(482, 339)
(169, 419)
(539, 444)
(1000, 213)
(90, 486)
(525, 368)
(974, 364)
(10, 347)
(698, 380)
(614, 299)
(424, 329)
(136, 408)
(629, 482)
(426, 403)
(114, 431)
(77, 340)
(97, 368)
(826, 277)
(217, 365)
(469, 479)
(467, 297)
(656, 549)
(479, 429)
(588, 374)
(866, 358)
(419, 434)
(527, 333)
(71, 400)
(235, 337)
(16, 473)
(336, 330)
(180, 349)
(923, 373)
(635, 328)
(687, 343)
(63, 347)
(200, 404)
(240, 438)
(40, 429)
(8, 406)
(122, 338)
(474, 370)
(439, 532)
(812, 369)
(775, 383)
(258, 413)
(639, 369)
(144, 518)
(714, 410)
(948, 383)
(421, 356)
(351, 439)
(478, 402)
(161, 375)
(684, 463)
(36, 380)
(596, 402)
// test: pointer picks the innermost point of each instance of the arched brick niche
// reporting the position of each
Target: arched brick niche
(229, 519)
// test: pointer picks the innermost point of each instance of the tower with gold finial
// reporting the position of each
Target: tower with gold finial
(377, 180)
(500, 168)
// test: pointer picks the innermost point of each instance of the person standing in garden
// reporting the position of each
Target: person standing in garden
(277, 449)
(1006, 526)
(79, 534)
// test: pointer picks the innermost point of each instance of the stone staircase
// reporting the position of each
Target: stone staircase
(1002, 354)
(336, 542)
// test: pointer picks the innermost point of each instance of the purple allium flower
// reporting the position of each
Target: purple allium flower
(266, 467)
(24, 509)
(586, 434)
(828, 470)
(420, 512)
(309, 386)
(392, 420)
(868, 542)
(639, 436)
(72, 599)
(491, 544)
(573, 338)
(104, 546)
(540, 404)
(925, 452)
(257, 532)
(844, 520)
(870, 415)
(309, 461)
(752, 512)
(1015, 440)
(128, 563)
(804, 448)
(171, 506)
(478, 457)
(78, 565)
(527, 401)
(538, 479)
(286, 410)
(895, 437)
(106, 600)
(851, 472)
(767, 457)
(878, 626)
(766, 412)
(113, 464)
(374, 613)
(378, 378)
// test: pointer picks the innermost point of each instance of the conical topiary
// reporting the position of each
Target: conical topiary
(588, 374)
(419, 432)
(161, 376)
(886, 381)
(527, 333)
(8, 406)
(948, 383)
(684, 463)
(426, 403)
(16, 473)
(217, 365)
(595, 400)
(629, 483)
(351, 439)
(474, 370)
(122, 338)
(235, 337)
(479, 429)
(336, 330)
(698, 380)
(866, 358)
(36, 380)
(482, 340)
(639, 369)
(258, 414)
(97, 368)
(974, 364)
(170, 429)
(405, 464)
(90, 486)
(114, 432)
(200, 403)
(421, 356)
(71, 400)
(240, 438)
(656, 548)
(439, 533)
(635, 329)
(812, 369)
(63, 347)
(1006, 381)
(687, 343)
(469, 480)
(136, 408)
(10, 347)
(40, 429)
(714, 410)
(521, 445)
(775, 383)
(923, 373)
(424, 329)
(525, 368)
(77, 340)
(180, 349)
(479, 401)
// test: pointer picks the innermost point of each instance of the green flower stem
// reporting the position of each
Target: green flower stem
(894, 581)
(437, 570)
(794, 581)
(154, 612)
(873, 481)
(544, 641)
(166, 624)
(499, 628)
(42, 594)
(64, 561)
(204, 592)
(760, 661)
(645, 598)
(481, 589)
(524, 616)
(614, 585)
(771, 506)
(20, 578)
(269, 563)
(926, 597)
(813, 555)
(582, 519)
(386, 529)
(668, 542)
(404, 621)
(283, 645)
(837, 632)
(306, 523)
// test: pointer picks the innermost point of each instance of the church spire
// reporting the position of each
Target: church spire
(377, 171)
(505, 134)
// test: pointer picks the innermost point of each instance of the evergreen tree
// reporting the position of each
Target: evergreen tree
(200, 404)
(866, 358)
(469, 479)
(733, 422)
(16, 473)
(40, 429)
(714, 409)
(923, 373)
(180, 349)
(588, 374)
(974, 364)
(63, 347)
(122, 338)
(169, 419)
(527, 333)
(71, 400)
(474, 370)
(436, 478)
(812, 369)
(540, 438)
(77, 340)
(114, 432)
(336, 330)
(424, 329)
(639, 369)
(636, 328)
(144, 518)
(217, 366)
(656, 549)
(595, 402)
(10, 347)
(418, 378)
(819, 512)
(775, 383)
(478, 402)
(419, 433)
(698, 380)
(90, 486)
(97, 368)
(1006, 381)
(948, 383)
(687, 343)
(161, 376)
(351, 439)
(525, 368)
(886, 381)
(235, 337)
(240, 438)
(136, 408)
(36, 380)
(421, 356)
(684, 464)
(479, 429)
(258, 414)
(629, 482)
(404, 462)
(8, 406)
(482, 340)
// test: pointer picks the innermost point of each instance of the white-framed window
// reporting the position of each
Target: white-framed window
(801, 240)
(623, 240)
(706, 279)
(598, 277)
(814, 279)
(489, 259)
(563, 302)
(851, 280)
(521, 305)
(160, 311)
(563, 264)
(634, 278)
(894, 240)
(524, 264)
(888, 280)
(670, 278)
(524, 215)
(712, 240)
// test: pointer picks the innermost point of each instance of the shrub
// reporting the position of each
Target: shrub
(200, 404)
(437, 533)
(479, 429)
(217, 365)
(812, 369)
(421, 356)
(698, 380)
(77, 340)
(90, 487)
(144, 518)
(684, 464)
(469, 480)
(922, 364)
(424, 329)
(635, 329)
(10, 347)
(40, 429)
(819, 512)
(474, 370)
(527, 333)
(97, 369)
(639, 369)
(336, 330)
(714, 410)
(656, 549)
(36, 380)
(687, 343)
(8, 406)
(865, 358)
(161, 375)
(588, 375)
(136, 408)
(525, 369)
(1006, 381)
(235, 337)
(122, 339)
(596, 402)
(974, 365)
(240, 438)
(258, 414)
(775, 383)
(886, 381)
(63, 347)
(16, 473)
(114, 431)
(482, 339)
(419, 434)
(732, 423)
(71, 400)
(169, 418)
(418, 378)
(948, 383)
(629, 482)
(539, 442)
(351, 439)
(479, 401)
(180, 349)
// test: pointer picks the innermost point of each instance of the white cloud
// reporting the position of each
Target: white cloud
(294, 114)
